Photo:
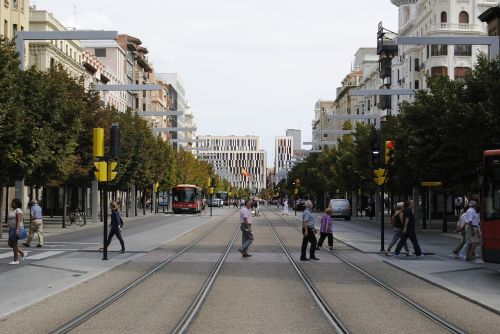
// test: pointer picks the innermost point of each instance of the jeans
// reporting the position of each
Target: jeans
(412, 235)
(311, 237)
(246, 238)
(115, 231)
(395, 238)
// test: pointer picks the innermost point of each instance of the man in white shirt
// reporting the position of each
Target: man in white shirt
(472, 231)
(246, 228)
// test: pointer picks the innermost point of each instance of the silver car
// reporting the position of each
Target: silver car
(340, 208)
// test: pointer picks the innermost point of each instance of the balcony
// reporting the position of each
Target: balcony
(455, 27)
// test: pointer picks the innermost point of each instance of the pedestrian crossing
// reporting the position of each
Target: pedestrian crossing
(32, 255)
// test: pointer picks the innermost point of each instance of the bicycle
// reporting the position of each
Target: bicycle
(77, 217)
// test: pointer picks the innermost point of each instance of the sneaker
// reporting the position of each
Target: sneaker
(315, 258)
(26, 244)
(388, 254)
(331, 249)
(421, 255)
(247, 255)
(24, 255)
(38, 246)
(408, 254)
(122, 251)
(304, 259)
(318, 248)
(14, 262)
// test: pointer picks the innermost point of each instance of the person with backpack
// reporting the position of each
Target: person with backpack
(397, 225)
(461, 229)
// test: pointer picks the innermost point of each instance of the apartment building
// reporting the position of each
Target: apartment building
(436, 18)
(297, 142)
(238, 159)
(14, 16)
(46, 53)
(322, 123)
(283, 153)
(107, 61)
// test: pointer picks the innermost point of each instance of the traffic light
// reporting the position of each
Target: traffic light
(98, 143)
(375, 152)
(111, 168)
(390, 148)
(101, 173)
(209, 182)
(114, 140)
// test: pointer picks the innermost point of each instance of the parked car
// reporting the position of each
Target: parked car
(341, 208)
(300, 205)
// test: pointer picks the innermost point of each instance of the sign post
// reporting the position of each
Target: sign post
(380, 180)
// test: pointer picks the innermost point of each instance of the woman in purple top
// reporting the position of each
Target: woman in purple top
(326, 229)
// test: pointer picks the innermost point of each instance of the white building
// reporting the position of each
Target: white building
(436, 18)
(283, 157)
(322, 109)
(46, 53)
(297, 141)
(238, 159)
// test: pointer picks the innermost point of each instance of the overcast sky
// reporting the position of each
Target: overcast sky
(250, 67)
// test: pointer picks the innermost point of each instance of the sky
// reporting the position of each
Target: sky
(250, 67)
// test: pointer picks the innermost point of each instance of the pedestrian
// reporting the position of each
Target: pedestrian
(285, 207)
(116, 226)
(326, 229)
(461, 224)
(397, 224)
(472, 230)
(16, 225)
(246, 228)
(409, 230)
(308, 233)
(203, 207)
(36, 224)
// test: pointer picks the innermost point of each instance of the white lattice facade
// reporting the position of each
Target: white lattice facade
(283, 157)
(235, 156)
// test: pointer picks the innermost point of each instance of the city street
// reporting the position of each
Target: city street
(260, 294)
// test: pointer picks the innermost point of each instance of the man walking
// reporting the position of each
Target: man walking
(472, 231)
(246, 228)
(409, 230)
(36, 224)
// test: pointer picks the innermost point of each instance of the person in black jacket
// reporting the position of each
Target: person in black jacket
(116, 226)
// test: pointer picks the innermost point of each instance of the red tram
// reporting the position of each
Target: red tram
(490, 206)
(186, 198)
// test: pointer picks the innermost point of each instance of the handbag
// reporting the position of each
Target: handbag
(23, 234)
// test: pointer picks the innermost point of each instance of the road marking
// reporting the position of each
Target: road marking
(43, 255)
(6, 255)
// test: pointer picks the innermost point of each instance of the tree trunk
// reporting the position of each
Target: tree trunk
(1, 197)
(85, 204)
(65, 201)
(144, 202)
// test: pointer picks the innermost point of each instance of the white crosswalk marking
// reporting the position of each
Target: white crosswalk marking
(6, 255)
(43, 255)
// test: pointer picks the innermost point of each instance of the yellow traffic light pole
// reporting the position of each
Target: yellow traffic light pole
(105, 172)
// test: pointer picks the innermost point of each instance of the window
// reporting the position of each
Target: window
(100, 52)
(461, 73)
(417, 84)
(6, 28)
(463, 17)
(52, 62)
(439, 70)
(463, 50)
(439, 50)
(444, 17)
(14, 30)
(417, 64)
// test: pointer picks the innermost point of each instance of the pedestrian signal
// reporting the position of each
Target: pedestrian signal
(390, 148)
(375, 152)
(111, 172)
(101, 171)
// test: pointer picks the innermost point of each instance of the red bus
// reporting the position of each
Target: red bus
(490, 206)
(186, 198)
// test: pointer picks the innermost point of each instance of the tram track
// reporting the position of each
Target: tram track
(190, 313)
(452, 328)
(323, 305)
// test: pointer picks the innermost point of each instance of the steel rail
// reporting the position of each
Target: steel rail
(190, 314)
(421, 309)
(325, 308)
(83, 317)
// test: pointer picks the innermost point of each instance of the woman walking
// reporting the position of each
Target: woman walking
(116, 226)
(326, 229)
(16, 225)
(397, 220)
(308, 233)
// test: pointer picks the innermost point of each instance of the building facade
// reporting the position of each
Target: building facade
(436, 18)
(238, 159)
(46, 53)
(14, 17)
(283, 154)
(322, 124)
